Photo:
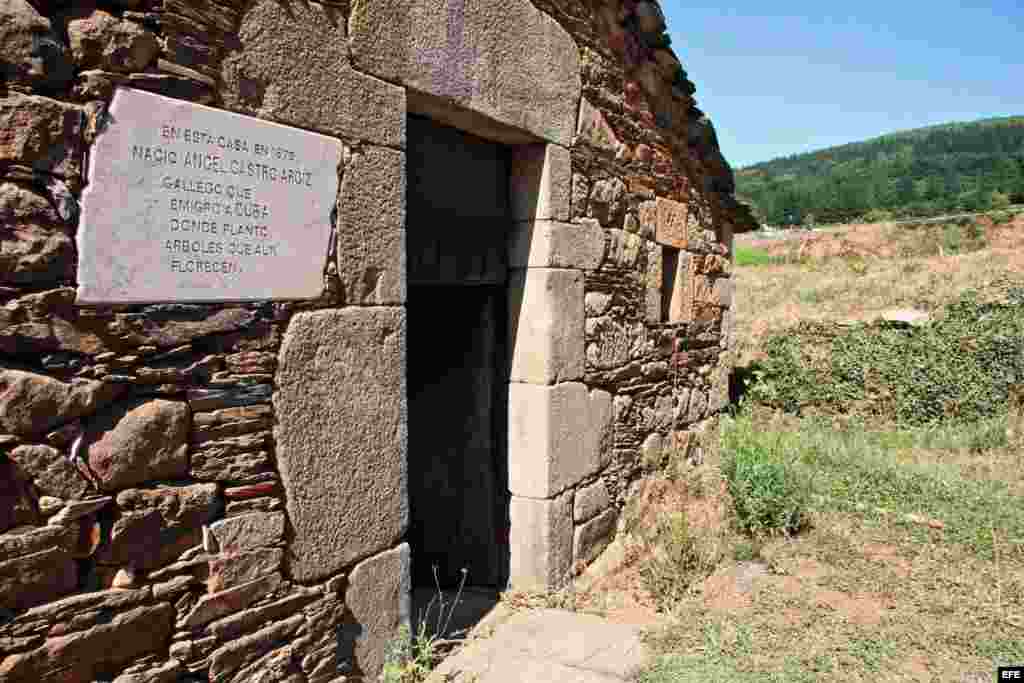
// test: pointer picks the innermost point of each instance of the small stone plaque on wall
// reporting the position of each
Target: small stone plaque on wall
(189, 203)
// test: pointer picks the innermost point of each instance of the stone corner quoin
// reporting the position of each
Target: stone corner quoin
(205, 334)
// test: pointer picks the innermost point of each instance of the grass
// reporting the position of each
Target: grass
(908, 564)
(868, 590)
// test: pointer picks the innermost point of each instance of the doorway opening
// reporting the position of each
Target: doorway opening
(457, 226)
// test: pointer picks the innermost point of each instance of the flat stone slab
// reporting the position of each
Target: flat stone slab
(191, 203)
(548, 646)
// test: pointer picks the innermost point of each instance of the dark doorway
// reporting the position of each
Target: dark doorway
(457, 225)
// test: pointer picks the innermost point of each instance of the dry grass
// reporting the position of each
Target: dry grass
(861, 272)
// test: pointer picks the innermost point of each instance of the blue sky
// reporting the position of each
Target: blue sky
(787, 76)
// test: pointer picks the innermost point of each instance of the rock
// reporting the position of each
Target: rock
(251, 491)
(232, 569)
(170, 325)
(237, 624)
(607, 203)
(153, 526)
(593, 128)
(590, 500)
(241, 395)
(42, 134)
(229, 422)
(175, 371)
(17, 503)
(27, 540)
(138, 441)
(77, 509)
(169, 591)
(651, 451)
(236, 468)
(341, 436)
(51, 473)
(31, 404)
(84, 656)
(102, 41)
(196, 567)
(168, 672)
(46, 321)
(35, 246)
(125, 578)
(698, 406)
(250, 362)
(597, 303)
(239, 652)
(97, 602)
(908, 317)
(611, 342)
(241, 507)
(216, 605)
(590, 538)
(248, 532)
(31, 52)
(36, 578)
(378, 596)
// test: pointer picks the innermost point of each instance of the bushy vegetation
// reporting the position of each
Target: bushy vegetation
(958, 367)
(769, 495)
(925, 172)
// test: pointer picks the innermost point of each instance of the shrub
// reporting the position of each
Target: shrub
(960, 366)
(769, 495)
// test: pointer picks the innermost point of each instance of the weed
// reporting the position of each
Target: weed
(676, 561)
(769, 495)
(748, 256)
(410, 658)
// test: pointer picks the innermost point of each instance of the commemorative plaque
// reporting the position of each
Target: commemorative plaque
(189, 203)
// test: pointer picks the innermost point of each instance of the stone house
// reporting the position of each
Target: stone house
(521, 295)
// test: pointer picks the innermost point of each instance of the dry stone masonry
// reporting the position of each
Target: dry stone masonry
(204, 420)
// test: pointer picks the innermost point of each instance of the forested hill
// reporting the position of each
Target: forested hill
(927, 171)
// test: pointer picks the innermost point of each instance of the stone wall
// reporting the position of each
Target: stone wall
(217, 492)
(648, 239)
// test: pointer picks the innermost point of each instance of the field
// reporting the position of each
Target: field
(842, 542)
